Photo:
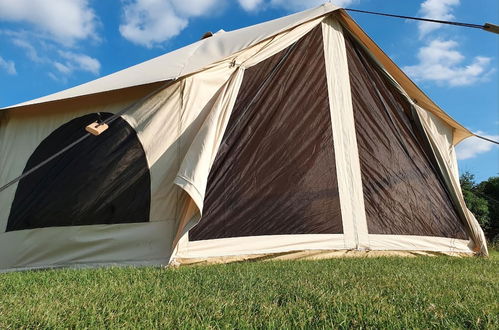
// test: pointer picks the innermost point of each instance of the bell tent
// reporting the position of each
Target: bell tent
(294, 138)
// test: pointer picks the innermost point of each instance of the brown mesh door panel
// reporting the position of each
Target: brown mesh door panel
(275, 171)
(403, 193)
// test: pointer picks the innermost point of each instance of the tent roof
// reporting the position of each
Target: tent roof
(188, 59)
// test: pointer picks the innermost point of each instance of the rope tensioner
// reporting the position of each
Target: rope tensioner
(97, 127)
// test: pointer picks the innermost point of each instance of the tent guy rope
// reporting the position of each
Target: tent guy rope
(486, 139)
(489, 27)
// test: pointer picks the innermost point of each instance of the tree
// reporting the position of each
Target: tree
(490, 190)
(483, 201)
(475, 203)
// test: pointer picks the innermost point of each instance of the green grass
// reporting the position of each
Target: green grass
(420, 292)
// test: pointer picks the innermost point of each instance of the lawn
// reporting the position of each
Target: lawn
(383, 292)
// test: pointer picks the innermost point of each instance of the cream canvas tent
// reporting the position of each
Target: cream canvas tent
(297, 137)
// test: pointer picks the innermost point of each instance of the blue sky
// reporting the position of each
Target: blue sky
(47, 46)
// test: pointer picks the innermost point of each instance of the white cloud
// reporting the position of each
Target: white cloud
(82, 61)
(74, 61)
(295, 4)
(343, 3)
(435, 9)
(29, 48)
(440, 62)
(8, 66)
(250, 5)
(62, 68)
(151, 22)
(301, 4)
(473, 146)
(53, 76)
(47, 53)
(64, 20)
(187, 8)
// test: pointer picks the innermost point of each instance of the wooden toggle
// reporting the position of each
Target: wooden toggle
(96, 129)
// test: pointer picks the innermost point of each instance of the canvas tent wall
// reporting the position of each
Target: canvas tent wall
(297, 136)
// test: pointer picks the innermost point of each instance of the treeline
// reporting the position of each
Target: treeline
(483, 200)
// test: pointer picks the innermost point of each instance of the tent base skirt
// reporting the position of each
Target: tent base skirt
(312, 255)
(148, 263)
